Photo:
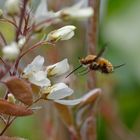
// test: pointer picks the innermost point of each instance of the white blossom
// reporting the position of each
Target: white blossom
(42, 14)
(64, 33)
(11, 51)
(76, 11)
(59, 68)
(35, 74)
(12, 7)
(35, 66)
(59, 91)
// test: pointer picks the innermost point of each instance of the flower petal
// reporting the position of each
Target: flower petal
(39, 79)
(41, 9)
(68, 36)
(59, 91)
(42, 14)
(35, 65)
(69, 102)
(58, 69)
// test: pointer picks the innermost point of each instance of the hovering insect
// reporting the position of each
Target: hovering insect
(97, 63)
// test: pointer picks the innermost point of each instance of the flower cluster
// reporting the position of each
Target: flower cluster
(39, 75)
(29, 33)
(77, 12)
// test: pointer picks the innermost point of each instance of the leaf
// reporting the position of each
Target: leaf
(10, 138)
(13, 109)
(90, 97)
(20, 89)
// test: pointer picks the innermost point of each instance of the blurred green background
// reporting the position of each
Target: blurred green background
(120, 26)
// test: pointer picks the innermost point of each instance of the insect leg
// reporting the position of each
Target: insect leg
(118, 66)
(74, 70)
(85, 72)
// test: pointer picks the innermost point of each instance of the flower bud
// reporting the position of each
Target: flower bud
(11, 98)
(64, 33)
(11, 51)
(59, 68)
(12, 7)
(21, 42)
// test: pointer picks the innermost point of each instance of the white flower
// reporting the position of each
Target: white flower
(77, 11)
(42, 13)
(21, 42)
(59, 91)
(12, 7)
(64, 33)
(11, 51)
(35, 74)
(58, 69)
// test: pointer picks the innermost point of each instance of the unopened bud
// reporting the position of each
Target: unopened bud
(64, 33)
(11, 51)
(11, 98)
(12, 7)
(21, 42)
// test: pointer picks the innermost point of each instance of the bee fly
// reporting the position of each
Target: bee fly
(97, 63)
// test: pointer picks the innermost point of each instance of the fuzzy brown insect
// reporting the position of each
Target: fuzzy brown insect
(97, 63)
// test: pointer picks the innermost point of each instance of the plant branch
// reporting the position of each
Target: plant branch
(35, 26)
(9, 21)
(7, 125)
(29, 50)
(3, 119)
(23, 10)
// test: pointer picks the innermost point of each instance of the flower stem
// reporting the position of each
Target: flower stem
(23, 10)
(27, 51)
(92, 39)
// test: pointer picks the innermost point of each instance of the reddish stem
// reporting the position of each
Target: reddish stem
(27, 51)
(39, 24)
(26, 24)
(23, 10)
